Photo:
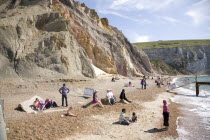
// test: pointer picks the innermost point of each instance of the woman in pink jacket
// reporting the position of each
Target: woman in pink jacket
(165, 114)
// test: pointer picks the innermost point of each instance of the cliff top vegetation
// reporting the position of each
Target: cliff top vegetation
(172, 43)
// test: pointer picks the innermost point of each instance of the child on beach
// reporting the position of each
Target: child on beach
(165, 114)
(130, 84)
(69, 113)
(134, 118)
(36, 104)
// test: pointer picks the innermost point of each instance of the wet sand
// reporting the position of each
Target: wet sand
(92, 122)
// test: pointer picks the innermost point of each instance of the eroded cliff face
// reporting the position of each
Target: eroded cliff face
(187, 60)
(62, 38)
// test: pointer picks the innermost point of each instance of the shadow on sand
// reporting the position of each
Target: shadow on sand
(85, 97)
(155, 130)
(19, 109)
(87, 105)
(116, 123)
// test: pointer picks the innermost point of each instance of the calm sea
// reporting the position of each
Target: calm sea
(195, 125)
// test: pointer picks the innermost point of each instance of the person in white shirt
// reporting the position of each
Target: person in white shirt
(110, 97)
(122, 119)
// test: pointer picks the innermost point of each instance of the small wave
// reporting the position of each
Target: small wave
(181, 131)
(198, 107)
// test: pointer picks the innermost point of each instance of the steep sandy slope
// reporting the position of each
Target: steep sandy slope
(62, 38)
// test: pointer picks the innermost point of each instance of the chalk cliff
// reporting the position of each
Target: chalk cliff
(186, 60)
(57, 38)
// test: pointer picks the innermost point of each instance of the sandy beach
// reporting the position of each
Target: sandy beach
(92, 122)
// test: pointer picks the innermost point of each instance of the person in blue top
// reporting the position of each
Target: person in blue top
(64, 91)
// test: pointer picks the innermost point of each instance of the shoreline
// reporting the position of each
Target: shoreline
(146, 103)
(194, 112)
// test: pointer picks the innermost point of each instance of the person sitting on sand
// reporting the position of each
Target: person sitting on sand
(165, 114)
(95, 99)
(123, 97)
(42, 106)
(134, 118)
(110, 97)
(49, 103)
(122, 119)
(130, 84)
(113, 79)
(36, 104)
(117, 77)
(69, 113)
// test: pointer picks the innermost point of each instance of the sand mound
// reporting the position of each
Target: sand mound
(99, 72)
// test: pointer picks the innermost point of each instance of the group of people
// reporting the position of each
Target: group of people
(159, 81)
(123, 119)
(110, 98)
(48, 103)
(42, 105)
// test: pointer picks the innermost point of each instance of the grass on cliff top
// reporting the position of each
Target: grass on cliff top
(172, 43)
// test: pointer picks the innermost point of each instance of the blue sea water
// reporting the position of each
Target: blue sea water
(195, 121)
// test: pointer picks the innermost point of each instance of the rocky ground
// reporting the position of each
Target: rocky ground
(92, 122)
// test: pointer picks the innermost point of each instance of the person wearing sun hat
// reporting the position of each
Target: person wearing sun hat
(96, 99)
(110, 97)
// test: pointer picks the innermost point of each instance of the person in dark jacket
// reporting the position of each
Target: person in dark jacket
(123, 97)
(143, 83)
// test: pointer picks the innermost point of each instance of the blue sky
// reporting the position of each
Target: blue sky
(153, 20)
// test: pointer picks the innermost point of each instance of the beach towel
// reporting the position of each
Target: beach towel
(26, 105)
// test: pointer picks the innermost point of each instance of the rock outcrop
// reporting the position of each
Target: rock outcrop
(57, 38)
(187, 60)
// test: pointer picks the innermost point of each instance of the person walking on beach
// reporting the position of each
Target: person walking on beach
(64, 91)
(143, 83)
(165, 114)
